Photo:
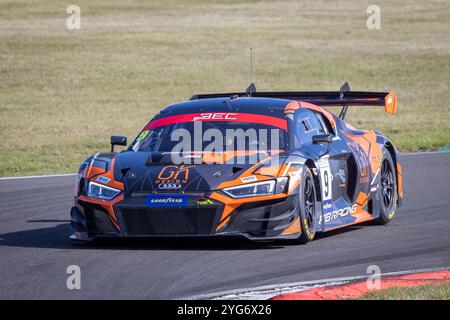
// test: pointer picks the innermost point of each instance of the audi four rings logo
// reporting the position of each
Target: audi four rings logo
(169, 186)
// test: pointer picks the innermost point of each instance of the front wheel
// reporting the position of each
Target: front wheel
(307, 206)
(388, 189)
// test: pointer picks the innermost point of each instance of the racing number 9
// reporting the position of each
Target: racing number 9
(325, 173)
(326, 184)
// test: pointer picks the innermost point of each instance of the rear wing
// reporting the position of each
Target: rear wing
(343, 98)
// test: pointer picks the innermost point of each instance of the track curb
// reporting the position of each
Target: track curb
(271, 291)
(359, 288)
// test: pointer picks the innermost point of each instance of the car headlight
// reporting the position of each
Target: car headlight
(264, 188)
(100, 191)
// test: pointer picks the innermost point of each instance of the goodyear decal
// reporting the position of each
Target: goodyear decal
(166, 201)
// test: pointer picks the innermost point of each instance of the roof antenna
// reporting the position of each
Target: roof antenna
(251, 88)
(251, 65)
(345, 88)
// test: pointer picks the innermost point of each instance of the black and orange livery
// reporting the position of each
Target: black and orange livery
(325, 175)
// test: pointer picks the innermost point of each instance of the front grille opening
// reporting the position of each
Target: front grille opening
(174, 221)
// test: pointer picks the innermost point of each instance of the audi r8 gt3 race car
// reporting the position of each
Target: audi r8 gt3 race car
(263, 165)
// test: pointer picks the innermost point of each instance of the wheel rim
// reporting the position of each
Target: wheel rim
(387, 185)
(308, 193)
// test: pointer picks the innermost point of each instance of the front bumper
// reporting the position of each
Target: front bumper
(260, 220)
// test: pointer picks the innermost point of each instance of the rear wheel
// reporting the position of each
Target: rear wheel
(388, 189)
(307, 204)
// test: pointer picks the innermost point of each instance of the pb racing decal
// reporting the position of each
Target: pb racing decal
(337, 214)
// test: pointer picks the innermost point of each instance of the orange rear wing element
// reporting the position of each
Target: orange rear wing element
(390, 103)
(343, 98)
(388, 100)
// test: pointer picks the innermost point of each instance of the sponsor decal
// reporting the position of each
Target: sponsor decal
(166, 201)
(248, 179)
(376, 158)
(204, 202)
(142, 135)
(327, 206)
(215, 116)
(103, 179)
(192, 156)
(337, 214)
(173, 175)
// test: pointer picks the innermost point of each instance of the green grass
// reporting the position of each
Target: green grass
(63, 93)
(425, 292)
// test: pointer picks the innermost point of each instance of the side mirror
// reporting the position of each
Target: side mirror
(118, 140)
(322, 138)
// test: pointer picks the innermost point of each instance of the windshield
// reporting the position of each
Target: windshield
(212, 136)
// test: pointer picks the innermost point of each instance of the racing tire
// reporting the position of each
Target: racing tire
(307, 205)
(388, 189)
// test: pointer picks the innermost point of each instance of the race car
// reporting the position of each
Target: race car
(259, 165)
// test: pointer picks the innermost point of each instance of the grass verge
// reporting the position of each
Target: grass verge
(64, 92)
(424, 292)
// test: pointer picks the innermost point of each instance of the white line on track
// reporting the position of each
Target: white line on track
(423, 153)
(42, 176)
(73, 174)
(270, 291)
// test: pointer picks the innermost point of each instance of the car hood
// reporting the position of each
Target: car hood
(155, 172)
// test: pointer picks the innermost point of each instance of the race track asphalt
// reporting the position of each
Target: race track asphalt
(35, 250)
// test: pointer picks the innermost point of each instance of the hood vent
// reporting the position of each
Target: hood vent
(236, 169)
